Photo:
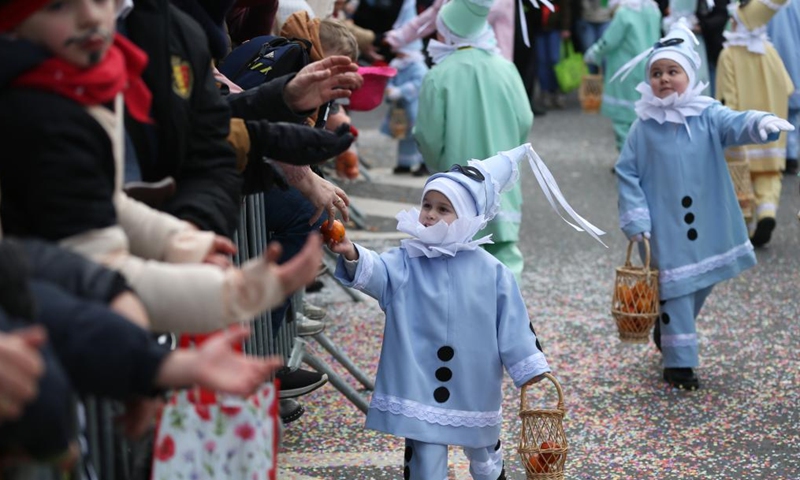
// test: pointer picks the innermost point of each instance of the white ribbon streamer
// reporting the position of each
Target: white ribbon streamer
(626, 69)
(550, 189)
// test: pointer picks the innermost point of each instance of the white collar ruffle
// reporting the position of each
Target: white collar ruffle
(440, 239)
(755, 40)
(674, 108)
(438, 51)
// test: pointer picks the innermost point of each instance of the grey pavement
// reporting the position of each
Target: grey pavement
(622, 421)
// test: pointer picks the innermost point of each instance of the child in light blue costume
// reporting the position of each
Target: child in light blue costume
(402, 91)
(784, 31)
(674, 188)
(455, 318)
(635, 26)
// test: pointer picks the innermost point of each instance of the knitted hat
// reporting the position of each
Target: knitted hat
(14, 12)
(678, 46)
(465, 18)
(757, 13)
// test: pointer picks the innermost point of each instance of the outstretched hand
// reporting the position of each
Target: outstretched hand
(220, 368)
(322, 81)
(301, 269)
(772, 124)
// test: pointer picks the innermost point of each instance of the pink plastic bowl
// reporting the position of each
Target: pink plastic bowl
(370, 95)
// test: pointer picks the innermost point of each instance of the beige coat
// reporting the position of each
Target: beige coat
(159, 255)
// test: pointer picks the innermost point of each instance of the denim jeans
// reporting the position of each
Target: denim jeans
(286, 216)
(548, 52)
(588, 34)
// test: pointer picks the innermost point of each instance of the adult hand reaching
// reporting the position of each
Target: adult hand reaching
(22, 366)
(322, 81)
(324, 195)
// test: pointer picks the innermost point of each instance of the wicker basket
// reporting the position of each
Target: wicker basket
(543, 443)
(635, 302)
(398, 122)
(743, 186)
(590, 93)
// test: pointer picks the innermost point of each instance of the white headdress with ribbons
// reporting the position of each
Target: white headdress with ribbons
(482, 182)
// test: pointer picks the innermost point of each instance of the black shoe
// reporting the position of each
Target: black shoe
(422, 171)
(657, 334)
(791, 166)
(401, 170)
(763, 232)
(295, 383)
(681, 378)
(290, 410)
(314, 286)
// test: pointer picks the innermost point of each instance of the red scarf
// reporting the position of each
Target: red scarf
(119, 71)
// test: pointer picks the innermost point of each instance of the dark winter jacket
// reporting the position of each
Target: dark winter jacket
(57, 175)
(189, 139)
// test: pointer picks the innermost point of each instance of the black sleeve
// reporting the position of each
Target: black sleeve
(296, 144)
(71, 272)
(59, 181)
(48, 422)
(208, 184)
(265, 103)
(103, 353)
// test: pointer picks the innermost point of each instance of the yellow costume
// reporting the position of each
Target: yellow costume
(751, 76)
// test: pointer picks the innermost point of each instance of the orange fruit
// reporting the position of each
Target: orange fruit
(334, 233)
(536, 464)
(549, 458)
(351, 173)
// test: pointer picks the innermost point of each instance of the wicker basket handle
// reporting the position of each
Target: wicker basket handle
(646, 253)
(523, 393)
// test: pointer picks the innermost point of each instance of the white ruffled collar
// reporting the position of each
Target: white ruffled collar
(440, 239)
(674, 108)
(755, 40)
(438, 51)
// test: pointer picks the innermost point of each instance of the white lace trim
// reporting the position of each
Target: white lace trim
(430, 414)
(484, 468)
(618, 102)
(755, 153)
(634, 215)
(706, 265)
(680, 340)
(534, 364)
(367, 264)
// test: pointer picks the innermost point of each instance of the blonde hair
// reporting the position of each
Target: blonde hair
(335, 39)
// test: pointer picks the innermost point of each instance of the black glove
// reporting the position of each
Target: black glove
(296, 144)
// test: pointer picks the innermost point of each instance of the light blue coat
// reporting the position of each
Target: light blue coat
(409, 81)
(679, 189)
(784, 31)
(469, 306)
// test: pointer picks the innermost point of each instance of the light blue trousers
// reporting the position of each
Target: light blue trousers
(679, 329)
(428, 461)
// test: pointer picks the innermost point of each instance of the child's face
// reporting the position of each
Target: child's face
(77, 31)
(667, 77)
(436, 207)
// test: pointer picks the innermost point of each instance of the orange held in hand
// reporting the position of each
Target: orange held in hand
(334, 233)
